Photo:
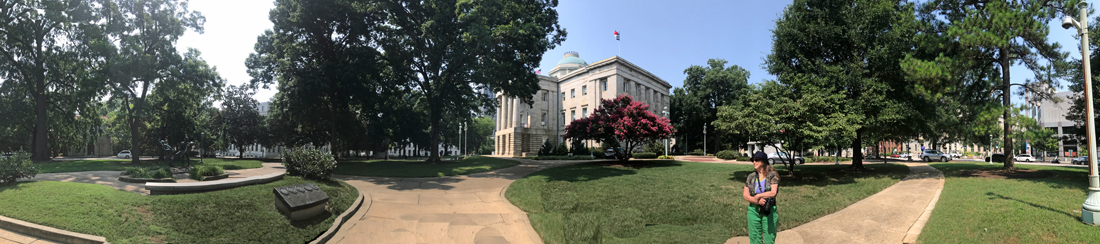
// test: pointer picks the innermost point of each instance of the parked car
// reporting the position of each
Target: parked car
(997, 157)
(124, 154)
(782, 158)
(5, 155)
(904, 155)
(936, 155)
(1082, 160)
(1023, 158)
(895, 155)
(955, 155)
(614, 152)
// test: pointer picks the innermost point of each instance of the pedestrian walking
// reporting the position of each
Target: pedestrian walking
(761, 187)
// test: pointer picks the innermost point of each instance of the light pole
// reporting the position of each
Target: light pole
(201, 148)
(1090, 210)
(465, 133)
(990, 148)
(704, 139)
(665, 111)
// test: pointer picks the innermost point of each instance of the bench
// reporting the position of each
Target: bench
(156, 188)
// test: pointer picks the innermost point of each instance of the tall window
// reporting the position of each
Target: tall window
(544, 95)
(584, 90)
(544, 118)
(572, 93)
(572, 115)
(584, 112)
(562, 94)
(603, 83)
(562, 117)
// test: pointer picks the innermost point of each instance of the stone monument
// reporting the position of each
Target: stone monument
(300, 202)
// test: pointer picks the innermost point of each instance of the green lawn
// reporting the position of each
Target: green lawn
(1032, 210)
(120, 165)
(240, 215)
(410, 168)
(679, 202)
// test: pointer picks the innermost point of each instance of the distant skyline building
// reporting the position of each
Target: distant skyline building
(572, 90)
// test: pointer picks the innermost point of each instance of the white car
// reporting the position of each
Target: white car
(1023, 158)
(124, 154)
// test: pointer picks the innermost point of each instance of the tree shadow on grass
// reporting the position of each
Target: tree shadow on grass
(1058, 177)
(306, 223)
(824, 175)
(999, 196)
(14, 186)
(591, 171)
(406, 184)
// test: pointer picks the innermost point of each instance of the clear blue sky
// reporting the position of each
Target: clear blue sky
(663, 37)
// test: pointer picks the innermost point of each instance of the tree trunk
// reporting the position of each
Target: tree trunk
(857, 154)
(436, 118)
(1006, 93)
(41, 125)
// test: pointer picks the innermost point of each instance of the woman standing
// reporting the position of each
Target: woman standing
(760, 189)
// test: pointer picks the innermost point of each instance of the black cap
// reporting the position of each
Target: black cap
(761, 155)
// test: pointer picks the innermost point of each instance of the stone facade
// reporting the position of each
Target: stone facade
(573, 90)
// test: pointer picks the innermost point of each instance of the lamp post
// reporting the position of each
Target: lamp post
(665, 111)
(704, 139)
(1090, 210)
(201, 148)
(465, 133)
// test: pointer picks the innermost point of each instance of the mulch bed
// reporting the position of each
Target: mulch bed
(1006, 174)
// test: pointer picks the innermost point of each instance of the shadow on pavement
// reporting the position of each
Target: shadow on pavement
(825, 175)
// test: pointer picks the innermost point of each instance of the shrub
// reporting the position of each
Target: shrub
(578, 148)
(148, 172)
(697, 152)
(561, 150)
(309, 163)
(546, 149)
(16, 167)
(200, 171)
(742, 158)
(728, 154)
(656, 147)
(160, 173)
(665, 157)
(644, 155)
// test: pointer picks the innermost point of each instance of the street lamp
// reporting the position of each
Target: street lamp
(465, 133)
(665, 111)
(1090, 210)
(201, 148)
(704, 139)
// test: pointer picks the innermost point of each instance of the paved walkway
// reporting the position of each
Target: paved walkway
(894, 215)
(442, 210)
(110, 178)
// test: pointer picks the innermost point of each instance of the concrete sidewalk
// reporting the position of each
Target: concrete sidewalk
(894, 215)
(442, 210)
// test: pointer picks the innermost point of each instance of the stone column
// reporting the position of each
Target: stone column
(515, 112)
(499, 109)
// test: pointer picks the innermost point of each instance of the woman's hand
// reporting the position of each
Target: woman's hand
(761, 201)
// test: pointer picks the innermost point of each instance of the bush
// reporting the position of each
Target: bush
(644, 155)
(578, 148)
(656, 147)
(546, 149)
(561, 150)
(742, 158)
(665, 157)
(309, 163)
(697, 152)
(728, 154)
(199, 171)
(16, 167)
(148, 172)
(578, 157)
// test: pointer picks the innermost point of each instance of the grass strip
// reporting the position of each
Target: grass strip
(121, 165)
(679, 202)
(1038, 204)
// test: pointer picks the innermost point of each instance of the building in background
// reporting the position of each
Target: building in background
(573, 90)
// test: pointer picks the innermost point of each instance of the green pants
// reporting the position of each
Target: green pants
(762, 228)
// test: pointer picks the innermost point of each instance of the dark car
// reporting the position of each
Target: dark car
(1082, 160)
(614, 152)
(997, 157)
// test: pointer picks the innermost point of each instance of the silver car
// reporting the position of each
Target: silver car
(934, 155)
(782, 158)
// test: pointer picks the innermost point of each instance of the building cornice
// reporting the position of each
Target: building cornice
(612, 60)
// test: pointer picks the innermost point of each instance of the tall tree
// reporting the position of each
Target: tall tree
(1004, 33)
(325, 60)
(40, 40)
(145, 34)
(177, 104)
(241, 117)
(705, 89)
(448, 48)
(849, 47)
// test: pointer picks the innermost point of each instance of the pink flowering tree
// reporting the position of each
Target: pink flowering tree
(622, 119)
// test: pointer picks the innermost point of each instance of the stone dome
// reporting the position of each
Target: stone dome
(572, 58)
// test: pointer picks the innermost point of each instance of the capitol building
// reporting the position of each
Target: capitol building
(572, 91)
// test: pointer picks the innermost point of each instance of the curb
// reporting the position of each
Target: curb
(49, 233)
(179, 188)
(128, 179)
(342, 219)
